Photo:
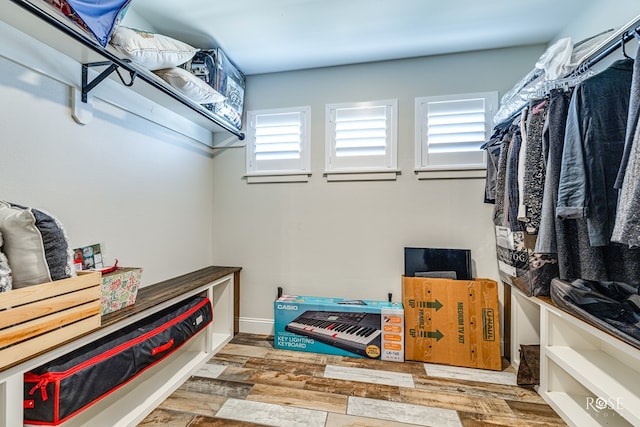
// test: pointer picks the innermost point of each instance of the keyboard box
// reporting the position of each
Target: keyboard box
(452, 322)
(354, 328)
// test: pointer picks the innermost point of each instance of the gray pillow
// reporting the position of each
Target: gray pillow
(35, 245)
(5, 271)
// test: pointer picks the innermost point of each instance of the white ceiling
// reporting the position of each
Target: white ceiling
(262, 36)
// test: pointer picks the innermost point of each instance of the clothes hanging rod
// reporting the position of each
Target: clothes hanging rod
(604, 49)
(614, 42)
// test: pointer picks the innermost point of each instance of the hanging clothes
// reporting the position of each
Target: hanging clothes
(493, 146)
(627, 224)
(594, 141)
(512, 195)
(566, 237)
(518, 265)
(553, 142)
(522, 209)
(534, 172)
(632, 120)
(493, 156)
(499, 207)
(573, 146)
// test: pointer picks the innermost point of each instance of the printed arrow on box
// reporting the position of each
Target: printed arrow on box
(435, 304)
(437, 335)
(431, 304)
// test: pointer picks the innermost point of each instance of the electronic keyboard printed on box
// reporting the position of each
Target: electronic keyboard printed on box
(347, 327)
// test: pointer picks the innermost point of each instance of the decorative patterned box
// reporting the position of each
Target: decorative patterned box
(119, 288)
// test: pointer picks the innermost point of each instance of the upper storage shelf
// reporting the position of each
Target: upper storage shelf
(57, 32)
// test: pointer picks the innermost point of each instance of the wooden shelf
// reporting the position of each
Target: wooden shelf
(41, 22)
(163, 293)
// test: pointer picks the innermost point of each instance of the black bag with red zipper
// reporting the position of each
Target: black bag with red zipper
(66, 386)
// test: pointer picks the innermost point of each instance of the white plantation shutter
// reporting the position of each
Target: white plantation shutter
(278, 141)
(361, 136)
(361, 131)
(454, 126)
(278, 136)
(451, 129)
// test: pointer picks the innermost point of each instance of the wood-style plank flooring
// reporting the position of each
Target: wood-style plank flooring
(249, 383)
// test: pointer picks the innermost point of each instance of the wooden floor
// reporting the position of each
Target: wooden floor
(249, 383)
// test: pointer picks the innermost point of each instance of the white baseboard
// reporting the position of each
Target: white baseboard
(251, 325)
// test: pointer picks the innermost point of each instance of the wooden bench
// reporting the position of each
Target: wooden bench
(131, 403)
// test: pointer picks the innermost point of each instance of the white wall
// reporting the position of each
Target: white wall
(601, 16)
(121, 181)
(346, 239)
(134, 20)
(604, 16)
(154, 202)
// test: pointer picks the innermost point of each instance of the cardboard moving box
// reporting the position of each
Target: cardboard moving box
(453, 322)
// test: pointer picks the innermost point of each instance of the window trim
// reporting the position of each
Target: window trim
(388, 172)
(461, 170)
(279, 175)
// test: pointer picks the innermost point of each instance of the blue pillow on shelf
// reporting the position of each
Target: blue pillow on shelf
(99, 17)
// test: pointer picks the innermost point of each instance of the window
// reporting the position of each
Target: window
(361, 137)
(451, 129)
(278, 141)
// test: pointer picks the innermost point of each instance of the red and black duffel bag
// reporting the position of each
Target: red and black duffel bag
(66, 386)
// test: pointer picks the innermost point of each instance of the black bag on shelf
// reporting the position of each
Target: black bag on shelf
(613, 307)
(66, 386)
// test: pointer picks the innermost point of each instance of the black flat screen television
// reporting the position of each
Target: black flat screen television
(437, 262)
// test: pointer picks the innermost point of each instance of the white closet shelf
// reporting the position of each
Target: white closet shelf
(572, 408)
(582, 364)
(588, 368)
(41, 22)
